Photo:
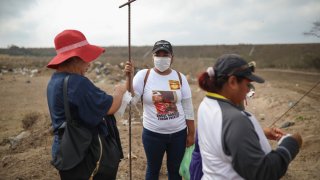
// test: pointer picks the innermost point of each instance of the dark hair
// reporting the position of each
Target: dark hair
(69, 61)
(213, 84)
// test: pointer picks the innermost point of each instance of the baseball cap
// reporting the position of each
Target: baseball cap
(162, 45)
(233, 64)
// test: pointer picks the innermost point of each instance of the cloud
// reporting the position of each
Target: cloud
(219, 22)
(35, 23)
(13, 9)
(14, 26)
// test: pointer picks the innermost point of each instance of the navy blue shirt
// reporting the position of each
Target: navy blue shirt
(88, 104)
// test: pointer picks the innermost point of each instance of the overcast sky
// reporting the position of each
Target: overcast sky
(34, 23)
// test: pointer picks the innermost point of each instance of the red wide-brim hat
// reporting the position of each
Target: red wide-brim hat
(71, 43)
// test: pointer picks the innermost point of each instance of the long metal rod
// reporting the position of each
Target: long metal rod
(127, 3)
(129, 52)
(295, 103)
(129, 77)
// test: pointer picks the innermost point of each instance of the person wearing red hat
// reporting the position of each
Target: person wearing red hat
(87, 103)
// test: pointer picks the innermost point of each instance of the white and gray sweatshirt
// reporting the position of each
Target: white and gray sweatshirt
(233, 145)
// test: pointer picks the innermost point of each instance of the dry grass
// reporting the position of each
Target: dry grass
(30, 119)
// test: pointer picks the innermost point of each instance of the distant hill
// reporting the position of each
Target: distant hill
(188, 58)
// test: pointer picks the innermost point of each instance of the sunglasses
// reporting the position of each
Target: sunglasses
(250, 66)
(251, 92)
(251, 87)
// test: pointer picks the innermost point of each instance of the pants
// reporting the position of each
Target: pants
(155, 145)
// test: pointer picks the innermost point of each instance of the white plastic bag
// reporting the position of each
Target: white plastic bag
(125, 101)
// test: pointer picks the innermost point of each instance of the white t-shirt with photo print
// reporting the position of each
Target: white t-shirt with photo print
(162, 109)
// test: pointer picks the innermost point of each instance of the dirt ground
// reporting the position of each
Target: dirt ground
(25, 138)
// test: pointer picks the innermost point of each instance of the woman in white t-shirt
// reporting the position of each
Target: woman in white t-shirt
(168, 117)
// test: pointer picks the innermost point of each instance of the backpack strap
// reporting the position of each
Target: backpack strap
(179, 77)
(65, 101)
(70, 120)
(144, 84)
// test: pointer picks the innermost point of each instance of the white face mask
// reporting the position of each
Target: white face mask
(161, 63)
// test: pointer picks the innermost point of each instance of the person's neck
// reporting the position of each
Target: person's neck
(166, 72)
(68, 70)
(229, 96)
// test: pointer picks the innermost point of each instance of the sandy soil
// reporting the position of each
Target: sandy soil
(23, 108)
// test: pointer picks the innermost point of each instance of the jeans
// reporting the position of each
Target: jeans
(155, 145)
(55, 146)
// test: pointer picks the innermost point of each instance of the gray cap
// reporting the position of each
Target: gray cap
(233, 64)
(162, 45)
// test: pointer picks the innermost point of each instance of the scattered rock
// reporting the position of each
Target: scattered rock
(14, 141)
(290, 104)
(4, 71)
(125, 122)
(34, 71)
(262, 116)
(287, 124)
(135, 123)
(133, 156)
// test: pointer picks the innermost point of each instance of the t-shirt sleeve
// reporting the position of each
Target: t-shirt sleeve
(138, 81)
(92, 103)
(185, 90)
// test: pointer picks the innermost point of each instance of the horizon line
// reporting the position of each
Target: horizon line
(180, 45)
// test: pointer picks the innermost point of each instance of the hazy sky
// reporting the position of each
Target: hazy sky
(34, 23)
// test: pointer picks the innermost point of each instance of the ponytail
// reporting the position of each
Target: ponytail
(211, 83)
(205, 82)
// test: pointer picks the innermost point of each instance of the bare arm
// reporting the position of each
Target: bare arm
(191, 131)
(273, 133)
(188, 110)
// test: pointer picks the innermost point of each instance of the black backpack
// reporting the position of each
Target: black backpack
(79, 144)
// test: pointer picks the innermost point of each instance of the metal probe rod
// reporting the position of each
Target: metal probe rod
(129, 77)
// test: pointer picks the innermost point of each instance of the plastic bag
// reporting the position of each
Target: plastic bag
(185, 164)
(125, 101)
